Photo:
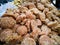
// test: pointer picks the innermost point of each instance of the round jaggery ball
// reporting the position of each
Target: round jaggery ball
(7, 22)
(22, 30)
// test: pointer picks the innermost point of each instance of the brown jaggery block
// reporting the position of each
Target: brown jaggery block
(7, 22)
(22, 30)
(40, 6)
(52, 23)
(31, 5)
(35, 33)
(35, 10)
(42, 16)
(45, 1)
(28, 41)
(45, 30)
(46, 21)
(28, 24)
(39, 23)
(21, 18)
(56, 38)
(48, 15)
(55, 18)
(33, 24)
(15, 27)
(45, 40)
(56, 12)
(24, 21)
(6, 35)
(30, 15)
(57, 27)
(23, 9)
(46, 10)
(11, 13)
(49, 6)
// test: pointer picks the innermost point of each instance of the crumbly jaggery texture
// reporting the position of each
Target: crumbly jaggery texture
(34, 22)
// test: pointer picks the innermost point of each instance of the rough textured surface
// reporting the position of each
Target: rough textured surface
(33, 22)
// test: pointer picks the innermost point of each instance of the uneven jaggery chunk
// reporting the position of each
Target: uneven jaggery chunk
(33, 24)
(31, 5)
(20, 17)
(24, 21)
(11, 13)
(6, 35)
(28, 41)
(45, 30)
(15, 27)
(46, 10)
(7, 22)
(56, 38)
(39, 23)
(42, 16)
(23, 9)
(22, 30)
(57, 27)
(56, 12)
(40, 6)
(28, 24)
(35, 33)
(49, 6)
(46, 21)
(45, 1)
(45, 40)
(35, 10)
(52, 23)
(30, 15)
(55, 18)
(48, 15)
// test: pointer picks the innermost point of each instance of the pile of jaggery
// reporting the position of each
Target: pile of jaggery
(32, 23)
